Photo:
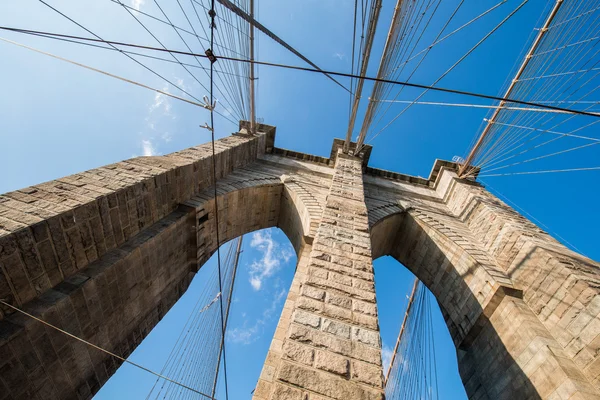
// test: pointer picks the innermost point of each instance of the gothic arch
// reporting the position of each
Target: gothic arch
(475, 294)
(111, 265)
(251, 201)
(440, 254)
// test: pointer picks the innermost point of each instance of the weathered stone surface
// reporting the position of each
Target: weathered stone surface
(366, 336)
(299, 353)
(326, 384)
(365, 373)
(288, 393)
(304, 318)
(313, 292)
(333, 363)
(337, 328)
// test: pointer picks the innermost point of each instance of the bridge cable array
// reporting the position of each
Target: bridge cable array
(222, 348)
(560, 67)
(110, 353)
(563, 70)
(413, 370)
(195, 355)
(542, 105)
(407, 22)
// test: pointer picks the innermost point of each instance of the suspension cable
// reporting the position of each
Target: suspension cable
(337, 73)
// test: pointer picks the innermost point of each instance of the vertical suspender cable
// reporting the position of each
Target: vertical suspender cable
(390, 42)
(373, 20)
(410, 302)
(252, 94)
(238, 250)
(520, 71)
(212, 15)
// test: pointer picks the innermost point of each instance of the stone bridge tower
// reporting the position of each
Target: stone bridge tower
(105, 253)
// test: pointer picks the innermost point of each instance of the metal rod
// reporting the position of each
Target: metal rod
(534, 46)
(373, 20)
(252, 94)
(238, 250)
(410, 302)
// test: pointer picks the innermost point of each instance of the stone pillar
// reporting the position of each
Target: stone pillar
(103, 255)
(327, 344)
(541, 344)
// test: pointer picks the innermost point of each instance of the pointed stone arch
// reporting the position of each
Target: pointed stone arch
(117, 246)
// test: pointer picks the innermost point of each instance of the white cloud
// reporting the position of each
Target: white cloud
(181, 83)
(160, 100)
(255, 282)
(386, 357)
(137, 4)
(148, 148)
(167, 136)
(156, 125)
(243, 335)
(340, 56)
(249, 334)
(273, 255)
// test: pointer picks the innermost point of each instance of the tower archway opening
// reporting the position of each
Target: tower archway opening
(184, 345)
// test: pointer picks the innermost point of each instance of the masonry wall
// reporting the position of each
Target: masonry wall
(105, 253)
(116, 297)
(50, 231)
(560, 287)
(102, 255)
(470, 249)
(113, 303)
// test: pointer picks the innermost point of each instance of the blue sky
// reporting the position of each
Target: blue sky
(58, 119)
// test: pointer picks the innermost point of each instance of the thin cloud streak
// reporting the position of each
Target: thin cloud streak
(386, 357)
(250, 334)
(159, 113)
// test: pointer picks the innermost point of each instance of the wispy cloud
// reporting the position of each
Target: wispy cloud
(340, 56)
(386, 356)
(137, 4)
(167, 136)
(158, 120)
(181, 83)
(249, 334)
(148, 148)
(161, 104)
(273, 255)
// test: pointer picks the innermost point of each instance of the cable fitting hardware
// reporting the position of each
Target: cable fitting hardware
(207, 104)
(205, 126)
(211, 56)
(212, 14)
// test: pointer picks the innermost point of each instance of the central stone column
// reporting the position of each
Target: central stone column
(327, 343)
